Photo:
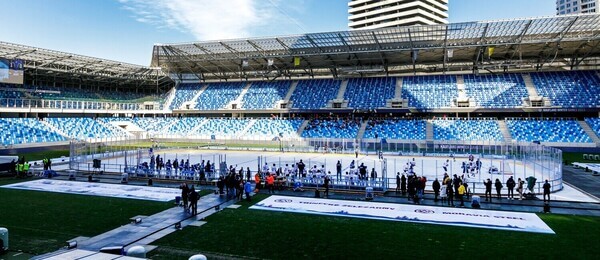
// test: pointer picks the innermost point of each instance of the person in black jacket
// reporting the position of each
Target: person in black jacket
(546, 191)
(450, 192)
(510, 185)
(338, 168)
(488, 189)
(194, 200)
(436, 189)
(326, 184)
(403, 184)
(185, 191)
(397, 182)
(498, 185)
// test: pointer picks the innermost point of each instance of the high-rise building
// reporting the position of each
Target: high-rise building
(576, 6)
(372, 14)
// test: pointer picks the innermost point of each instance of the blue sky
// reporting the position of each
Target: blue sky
(125, 30)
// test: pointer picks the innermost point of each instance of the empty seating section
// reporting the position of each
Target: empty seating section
(26, 130)
(184, 93)
(154, 125)
(496, 91)
(222, 128)
(314, 94)
(270, 128)
(184, 125)
(218, 95)
(428, 92)
(369, 93)
(83, 128)
(467, 130)
(401, 129)
(575, 89)
(332, 128)
(529, 130)
(594, 123)
(264, 94)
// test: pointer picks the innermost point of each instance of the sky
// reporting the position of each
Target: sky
(126, 30)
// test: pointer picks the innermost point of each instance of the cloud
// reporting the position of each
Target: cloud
(213, 19)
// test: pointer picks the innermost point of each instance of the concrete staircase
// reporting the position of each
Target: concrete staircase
(529, 85)
(302, 127)
(239, 99)
(362, 129)
(342, 90)
(290, 91)
(504, 130)
(245, 130)
(165, 128)
(202, 89)
(170, 98)
(588, 130)
(428, 130)
(398, 90)
(114, 128)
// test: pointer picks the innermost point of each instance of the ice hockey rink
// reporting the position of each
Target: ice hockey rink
(429, 166)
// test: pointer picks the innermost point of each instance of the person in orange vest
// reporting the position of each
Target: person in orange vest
(270, 183)
(257, 182)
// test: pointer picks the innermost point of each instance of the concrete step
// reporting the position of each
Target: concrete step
(170, 97)
(291, 91)
(302, 127)
(428, 130)
(398, 90)
(529, 85)
(362, 129)
(342, 90)
(54, 129)
(504, 130)
(245, 130)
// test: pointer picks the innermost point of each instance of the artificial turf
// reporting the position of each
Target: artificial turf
(278, 235)
(41, 222)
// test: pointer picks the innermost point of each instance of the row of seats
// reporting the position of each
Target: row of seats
(396, 129)
(71, 93)
(26, 130)
(314, 94)
(264, 94)
(20, 130)
(369, 93)
(218, 95)
(467, 130)
(84, 128)
(332, 128)
(568, 131)
(429, 92)
(496, 90)
(572, 89)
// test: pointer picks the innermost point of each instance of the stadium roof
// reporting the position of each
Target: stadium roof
(44, 62)
(515, 43)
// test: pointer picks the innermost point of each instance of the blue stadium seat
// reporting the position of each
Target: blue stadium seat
(428, 92)
(270, 128)
(369, 93)
(264, 94)
(331, 128)
(594, 123)
(401, 129)
(570, 89)
(26, 130)
(529, 130)
(314, 93)
(218, 95)
(184, 93)
(496, 90)
(83, 128)
(467, 130)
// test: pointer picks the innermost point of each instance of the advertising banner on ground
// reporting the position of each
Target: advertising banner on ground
(99, 189)
(504, 220)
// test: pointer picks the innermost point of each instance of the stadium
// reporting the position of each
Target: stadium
(514, 99)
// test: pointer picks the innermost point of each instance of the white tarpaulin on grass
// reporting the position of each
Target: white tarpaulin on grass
(99, 189)
(515, 221)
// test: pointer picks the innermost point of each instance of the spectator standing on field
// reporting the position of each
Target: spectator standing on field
(546, 190)
(510, 185)
(488, 189)
(498, 185)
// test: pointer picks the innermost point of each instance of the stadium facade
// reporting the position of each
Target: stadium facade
(375, 14)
